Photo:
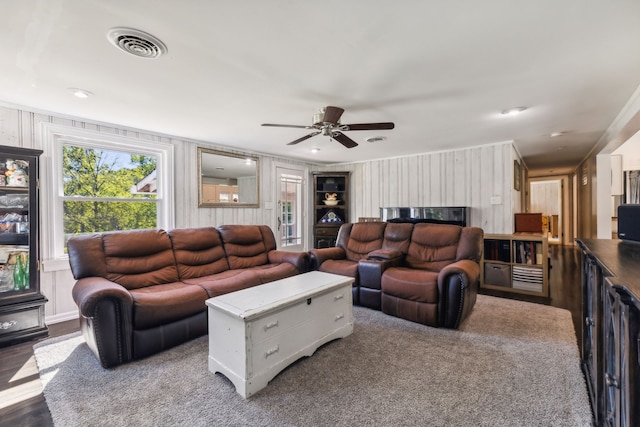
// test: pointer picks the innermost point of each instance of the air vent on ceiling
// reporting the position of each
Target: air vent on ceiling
(136, 42)
(375, 138)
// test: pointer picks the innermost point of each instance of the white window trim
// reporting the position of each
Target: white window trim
(54, 137)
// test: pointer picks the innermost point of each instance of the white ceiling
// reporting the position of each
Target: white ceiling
(441, 70)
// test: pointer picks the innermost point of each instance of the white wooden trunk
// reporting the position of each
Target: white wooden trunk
(255, 333)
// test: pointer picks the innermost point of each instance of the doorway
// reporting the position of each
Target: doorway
(546, 198)
(291, 209)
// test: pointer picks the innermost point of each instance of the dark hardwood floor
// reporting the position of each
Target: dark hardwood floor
(22, 402)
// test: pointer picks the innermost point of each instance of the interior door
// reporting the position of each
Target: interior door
(546, 198)
(291, 209)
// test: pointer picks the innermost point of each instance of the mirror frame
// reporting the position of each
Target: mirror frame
(201, 204)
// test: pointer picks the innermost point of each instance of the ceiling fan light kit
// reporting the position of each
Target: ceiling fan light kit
(327, 123)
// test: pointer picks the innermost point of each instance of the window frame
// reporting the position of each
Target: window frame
(53, 212)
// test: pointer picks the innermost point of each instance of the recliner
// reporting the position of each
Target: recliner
(426, 273)
(354, 243)
(437, 283)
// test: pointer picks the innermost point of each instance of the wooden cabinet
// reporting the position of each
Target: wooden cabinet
(517, 263)
(591, 352)
(217, 193)
(21, 303)
(329, 215)
(611, 329)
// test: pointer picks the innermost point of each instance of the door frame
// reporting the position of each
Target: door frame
(304, 206)
(566, 220)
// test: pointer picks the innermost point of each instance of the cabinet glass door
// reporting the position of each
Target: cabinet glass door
(15, 265)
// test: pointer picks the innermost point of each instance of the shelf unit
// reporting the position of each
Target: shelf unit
(516, 263)
(328, 219)
(21, 301)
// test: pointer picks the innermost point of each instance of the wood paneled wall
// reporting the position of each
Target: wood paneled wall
(545, 197)
(469, 177)
(587, 196)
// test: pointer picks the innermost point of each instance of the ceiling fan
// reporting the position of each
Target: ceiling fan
(327, 122)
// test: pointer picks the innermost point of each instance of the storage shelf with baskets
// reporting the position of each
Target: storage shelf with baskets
(516, 263)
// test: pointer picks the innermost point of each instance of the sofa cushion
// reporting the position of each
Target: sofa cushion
(343, 267)
(433, 246)
(139, 258)
(271, 272)
(411, 284)
(397, 237)
(86, 256)
(198, 252)
(162, 304)
(225, 282)
(470, 244)
(365, 237)
(244, 245)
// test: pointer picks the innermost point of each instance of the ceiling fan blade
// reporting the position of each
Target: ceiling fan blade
(287, 126)
(303, 138)
(332, 114)
(344, 139)
(368, 126)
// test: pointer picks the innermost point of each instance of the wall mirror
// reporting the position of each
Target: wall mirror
(227, 180)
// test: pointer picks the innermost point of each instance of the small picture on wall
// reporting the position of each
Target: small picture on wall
(517, 175)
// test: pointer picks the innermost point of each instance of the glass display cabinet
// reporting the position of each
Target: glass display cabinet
(21, 302)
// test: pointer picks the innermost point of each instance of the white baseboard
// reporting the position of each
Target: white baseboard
(62, 317)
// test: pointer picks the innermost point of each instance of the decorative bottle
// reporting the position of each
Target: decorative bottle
(26, 283)
(18, 274)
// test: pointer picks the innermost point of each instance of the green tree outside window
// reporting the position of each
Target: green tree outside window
(107, 190)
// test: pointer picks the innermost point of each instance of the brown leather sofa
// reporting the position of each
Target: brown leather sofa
(426, 273)
(141, 292)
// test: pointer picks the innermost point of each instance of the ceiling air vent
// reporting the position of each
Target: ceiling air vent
(375, 138)
(136, 42)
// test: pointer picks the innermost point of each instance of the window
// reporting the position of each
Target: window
(290, 215)
(106, 190)
(106, 183)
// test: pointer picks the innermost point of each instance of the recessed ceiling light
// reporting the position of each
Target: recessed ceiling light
(554, 134)
(80, 93)
(513, 111)
(375, 138)
(314, 150)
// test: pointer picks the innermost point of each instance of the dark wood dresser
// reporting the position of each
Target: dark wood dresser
(611, 329)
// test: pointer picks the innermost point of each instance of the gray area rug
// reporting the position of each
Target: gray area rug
(510, 364)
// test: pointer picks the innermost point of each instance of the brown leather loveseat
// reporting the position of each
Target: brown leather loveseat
(141, 292)
(426, 273)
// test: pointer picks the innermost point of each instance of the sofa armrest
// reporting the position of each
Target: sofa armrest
(106, 311)
(458, 289)
(370, 271)
(318, 256)
(384, 254)
(88, 292)
(299, 259)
